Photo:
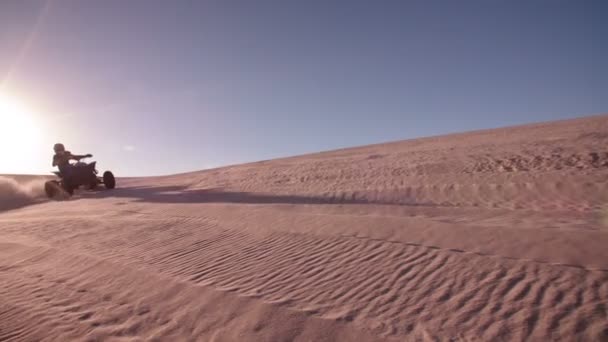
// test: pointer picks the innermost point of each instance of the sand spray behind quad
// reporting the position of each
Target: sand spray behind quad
(15, 194)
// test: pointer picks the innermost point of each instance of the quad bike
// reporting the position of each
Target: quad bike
(81, 174)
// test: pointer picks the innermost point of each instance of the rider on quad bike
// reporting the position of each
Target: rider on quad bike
(62, 158)
(72, 176)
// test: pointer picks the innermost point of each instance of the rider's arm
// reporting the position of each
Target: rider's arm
(79, 156)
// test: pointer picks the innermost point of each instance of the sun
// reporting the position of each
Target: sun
(20, 134)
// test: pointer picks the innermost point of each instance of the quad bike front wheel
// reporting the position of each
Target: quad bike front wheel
(108, 180)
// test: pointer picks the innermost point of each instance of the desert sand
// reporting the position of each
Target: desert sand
(482, 236)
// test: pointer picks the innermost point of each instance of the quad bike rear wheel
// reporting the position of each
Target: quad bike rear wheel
(51, 188)
(108, 180)
(68, 188)
(57, 189)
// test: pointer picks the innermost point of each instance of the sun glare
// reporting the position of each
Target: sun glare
(20, 135)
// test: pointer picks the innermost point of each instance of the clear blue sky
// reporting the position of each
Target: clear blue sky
(157, 87)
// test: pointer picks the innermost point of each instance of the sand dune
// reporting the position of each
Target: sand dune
(489, 235)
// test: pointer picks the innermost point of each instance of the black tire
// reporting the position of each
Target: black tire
(68, 188)
(50, 188)
(108, 180)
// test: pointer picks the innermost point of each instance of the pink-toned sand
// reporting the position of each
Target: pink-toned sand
(491, 235)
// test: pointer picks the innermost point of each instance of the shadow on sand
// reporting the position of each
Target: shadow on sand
(181, 194)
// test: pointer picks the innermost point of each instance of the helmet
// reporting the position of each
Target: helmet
(59, 147)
